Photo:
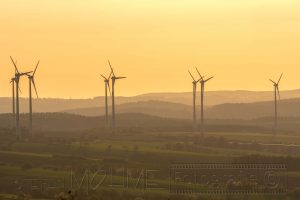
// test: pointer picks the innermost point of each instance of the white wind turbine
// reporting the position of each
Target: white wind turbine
(17, 77)
(194, 82)
(113, 79)
(12, 81)
(202, 84)
(107, 86)
(32, 82)
(276, 92)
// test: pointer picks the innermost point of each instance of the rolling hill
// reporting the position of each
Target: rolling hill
(286, 108)
(75, 123)
(132, 122)
(152, 107)
(212, 98)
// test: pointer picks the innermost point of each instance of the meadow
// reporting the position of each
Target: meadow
(52, 159)
(41, 167)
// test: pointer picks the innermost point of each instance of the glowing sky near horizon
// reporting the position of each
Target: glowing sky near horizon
(152, 42)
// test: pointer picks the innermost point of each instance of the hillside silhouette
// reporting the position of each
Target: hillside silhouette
(132, 122)
(212, 98)
(286, 108)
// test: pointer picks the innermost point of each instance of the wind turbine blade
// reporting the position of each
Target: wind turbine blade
(25, 73)
(191, 75)
(120, 77)
(208, 79)
(109, 75)
(272, 81)
(279, 78)
(34, 87)
(199, 73)
(109, 63)
(112, 70)
(36, 68)
(278, 93)
(14, 64)
(103, 76)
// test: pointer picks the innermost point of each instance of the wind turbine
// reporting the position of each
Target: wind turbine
(202, 84)
(276, 92)
(194, 100)
(113, 80)
(106, 83)
(18, 75)
(12, 81)
(31, 82)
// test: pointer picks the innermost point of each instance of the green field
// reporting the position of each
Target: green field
(59, 158)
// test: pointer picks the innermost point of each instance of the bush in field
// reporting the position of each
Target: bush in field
(61, 196)
(70, 195)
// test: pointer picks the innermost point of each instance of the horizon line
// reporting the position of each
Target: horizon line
(126, 96)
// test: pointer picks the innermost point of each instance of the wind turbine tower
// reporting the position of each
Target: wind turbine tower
(202, 84)
(13, 96)
(107, 86)
(113, 80)
(12, 81)
(18, 75)
(194, 82)
(276, 92)
(32, 82)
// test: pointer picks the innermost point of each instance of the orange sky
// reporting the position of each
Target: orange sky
(153, 42)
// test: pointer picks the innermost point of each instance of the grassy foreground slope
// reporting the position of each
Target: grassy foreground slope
(44, 159)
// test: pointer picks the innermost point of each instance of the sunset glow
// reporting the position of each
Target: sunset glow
(152, 42)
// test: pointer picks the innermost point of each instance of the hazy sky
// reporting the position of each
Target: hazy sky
(152, 42)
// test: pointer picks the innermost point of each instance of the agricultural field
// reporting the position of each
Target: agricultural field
(133, 165)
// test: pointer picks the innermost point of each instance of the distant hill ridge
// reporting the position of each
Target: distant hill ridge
(132, 122)
(286, 108)
(212, 98)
